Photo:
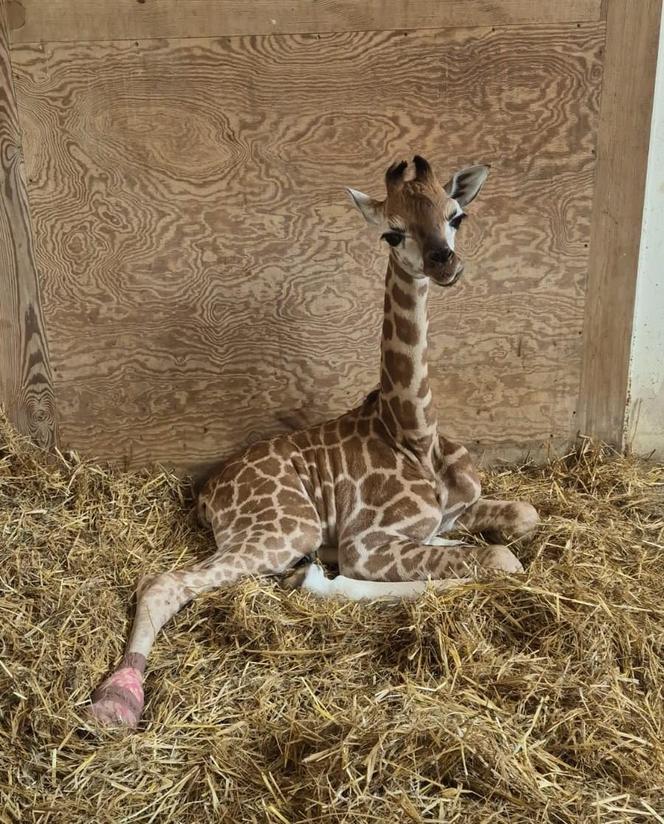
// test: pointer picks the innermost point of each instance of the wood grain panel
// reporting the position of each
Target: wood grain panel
(73, 20)
(623, 140)
(204, 278)
(25, 378)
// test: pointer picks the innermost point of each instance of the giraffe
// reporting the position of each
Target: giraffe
(374, 490)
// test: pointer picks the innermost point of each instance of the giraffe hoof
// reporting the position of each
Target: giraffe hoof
(294, 578)
(500, 558)
(118, 702)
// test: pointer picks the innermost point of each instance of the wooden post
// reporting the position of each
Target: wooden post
(26, 387)
(632, 36)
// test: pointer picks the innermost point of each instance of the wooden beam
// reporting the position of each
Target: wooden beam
(74, 20)
(26, 389)
(622, 157)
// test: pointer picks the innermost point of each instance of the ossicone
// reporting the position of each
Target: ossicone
(423, 170)
(394, 175)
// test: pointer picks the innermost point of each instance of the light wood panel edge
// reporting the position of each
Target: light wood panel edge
(26, 387)
(632, 38)
(73, 20)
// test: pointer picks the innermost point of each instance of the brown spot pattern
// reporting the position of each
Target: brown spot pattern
(363, 428)
(270, 466)
(401, 298)
(399, 511)
(386, 384)
(406, 330)
(381, 455)
(345, 493)
(377, 489)
(405, 413)
(376, 539)
(362, 521)
(356, 465)
(399, 367)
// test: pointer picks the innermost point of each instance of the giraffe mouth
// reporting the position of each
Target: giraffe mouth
(447, 281)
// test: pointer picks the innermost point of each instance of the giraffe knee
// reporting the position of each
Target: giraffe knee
(524, 519)
(149, 584)
(498, 557)
(165, 590)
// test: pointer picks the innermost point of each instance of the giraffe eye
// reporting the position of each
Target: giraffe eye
(457, 220)
(393, 238)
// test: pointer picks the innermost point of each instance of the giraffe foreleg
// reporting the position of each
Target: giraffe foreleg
(507, 519)
(403, 560)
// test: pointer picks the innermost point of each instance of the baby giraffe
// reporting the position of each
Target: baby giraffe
(375, 488)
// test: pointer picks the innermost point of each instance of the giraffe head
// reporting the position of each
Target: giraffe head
(419, 217)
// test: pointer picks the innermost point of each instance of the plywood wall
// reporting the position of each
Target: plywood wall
(202, 275)
(26, 389)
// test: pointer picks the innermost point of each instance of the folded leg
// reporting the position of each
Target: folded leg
(507, 519)
(403, 560)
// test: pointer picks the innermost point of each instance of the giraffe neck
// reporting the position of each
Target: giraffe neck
(406, 403)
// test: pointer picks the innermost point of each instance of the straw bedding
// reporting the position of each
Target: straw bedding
(532, 699)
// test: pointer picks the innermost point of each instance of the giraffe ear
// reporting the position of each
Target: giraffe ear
(370, 208)
(466, 184)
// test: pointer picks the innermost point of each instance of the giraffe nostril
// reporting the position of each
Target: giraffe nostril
(440, 255)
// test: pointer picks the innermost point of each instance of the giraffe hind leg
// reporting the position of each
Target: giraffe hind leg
(119, 700)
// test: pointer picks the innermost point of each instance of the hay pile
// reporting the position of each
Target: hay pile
(506, 701)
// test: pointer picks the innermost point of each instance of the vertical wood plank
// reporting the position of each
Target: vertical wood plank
(26, 388)
(622, 146)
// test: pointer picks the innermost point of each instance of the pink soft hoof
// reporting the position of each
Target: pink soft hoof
(118, 702)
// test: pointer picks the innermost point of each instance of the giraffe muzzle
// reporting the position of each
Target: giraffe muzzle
(446, 276)
(442, 265)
